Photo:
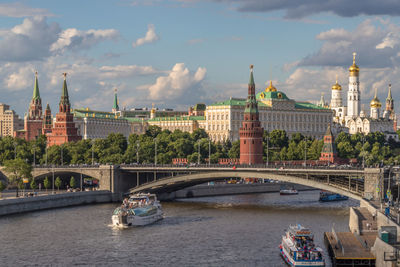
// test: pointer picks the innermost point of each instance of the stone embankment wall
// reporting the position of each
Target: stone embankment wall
(27, 204)
(354, 223)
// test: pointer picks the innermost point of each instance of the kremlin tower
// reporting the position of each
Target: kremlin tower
(389, 109)
(33, 119)
(47, 121)
(251, 133)
(328, 152)
(64, 129)
(115, 107)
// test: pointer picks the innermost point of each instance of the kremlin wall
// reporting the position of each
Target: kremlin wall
(231, 119)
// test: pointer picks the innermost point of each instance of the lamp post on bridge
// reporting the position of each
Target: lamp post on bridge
(209, 152)
(305, 151)
(15, 150)
(267, 150)
(46, 152)
(155, 151)
(34, 155)
(52, 190)
(137, 151)
(62, 161)
(198, 149)
(92, 151)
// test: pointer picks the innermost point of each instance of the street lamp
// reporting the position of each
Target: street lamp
(92, 151)
(52, 190)
(209, 152)
(137, 151)
(46, 153)
(62, 162)
(34, 154)
(15, 150)
(363, 162)
(267, 150)
(198, 158)
(305, 152)
(155, 152)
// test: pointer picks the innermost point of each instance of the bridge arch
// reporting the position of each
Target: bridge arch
(175, 183)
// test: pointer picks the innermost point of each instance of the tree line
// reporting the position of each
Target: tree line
(116, 149)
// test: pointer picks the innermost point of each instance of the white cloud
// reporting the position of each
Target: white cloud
(18, 10)
(150, 37)
(20, 79)
(76, 39)
(28, 41)
(376, 46)
(178, 82)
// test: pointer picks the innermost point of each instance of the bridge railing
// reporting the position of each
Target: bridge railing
(242, 166)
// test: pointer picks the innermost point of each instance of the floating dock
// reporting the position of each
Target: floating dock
(350, 250)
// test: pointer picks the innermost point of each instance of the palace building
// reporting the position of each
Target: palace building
(276, 111)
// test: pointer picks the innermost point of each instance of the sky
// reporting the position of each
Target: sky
(176, 53)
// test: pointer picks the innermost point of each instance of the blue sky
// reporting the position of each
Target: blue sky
(180, 52)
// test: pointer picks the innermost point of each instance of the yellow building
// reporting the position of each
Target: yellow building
(9, 121)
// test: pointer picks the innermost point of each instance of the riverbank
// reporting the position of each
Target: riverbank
(42, 202)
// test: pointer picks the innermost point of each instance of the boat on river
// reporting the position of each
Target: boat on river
(326, 196)
(298, 249)
(138, 210)
(291, 191)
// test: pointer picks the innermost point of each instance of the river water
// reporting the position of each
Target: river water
(241, 230)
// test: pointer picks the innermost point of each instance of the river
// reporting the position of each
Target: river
(241, 230)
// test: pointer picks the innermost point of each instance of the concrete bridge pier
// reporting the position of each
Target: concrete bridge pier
(373, 183)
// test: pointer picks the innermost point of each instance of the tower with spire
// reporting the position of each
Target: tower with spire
(251, 133)
(33, 119)
(329, 152)
(336, 100)
(47, 121)
(353, 95)
(115, 107)
(64, 129)
(389, 108)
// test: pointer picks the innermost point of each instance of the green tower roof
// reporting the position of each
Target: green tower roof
(36, 94)
(115, 105)
(251, 80)
(64, 96)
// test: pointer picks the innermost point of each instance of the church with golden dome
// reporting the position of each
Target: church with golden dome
(353, 117)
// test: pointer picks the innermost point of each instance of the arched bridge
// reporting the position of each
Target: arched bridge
(164, 179)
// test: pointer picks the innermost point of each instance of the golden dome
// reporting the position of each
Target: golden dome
(375, 103)
(270, 88)
(354, 69)
(336, 86)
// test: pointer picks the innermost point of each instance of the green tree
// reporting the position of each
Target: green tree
(72, 182)
(2, 187)
(17, 169)
(46, 183)
(33, 184)
(234, 152)
(58, 183)
(278, 138)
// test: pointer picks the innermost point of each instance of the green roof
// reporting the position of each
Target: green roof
(115, 105)
(271, 95)
(36, 94)
(81, 113)
(307, 105)
(64, 96)
(199, 107)
(231, 102)
(251, 80)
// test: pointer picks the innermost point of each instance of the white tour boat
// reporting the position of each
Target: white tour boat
(288, 191)
(138, 210)
(298, 249)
